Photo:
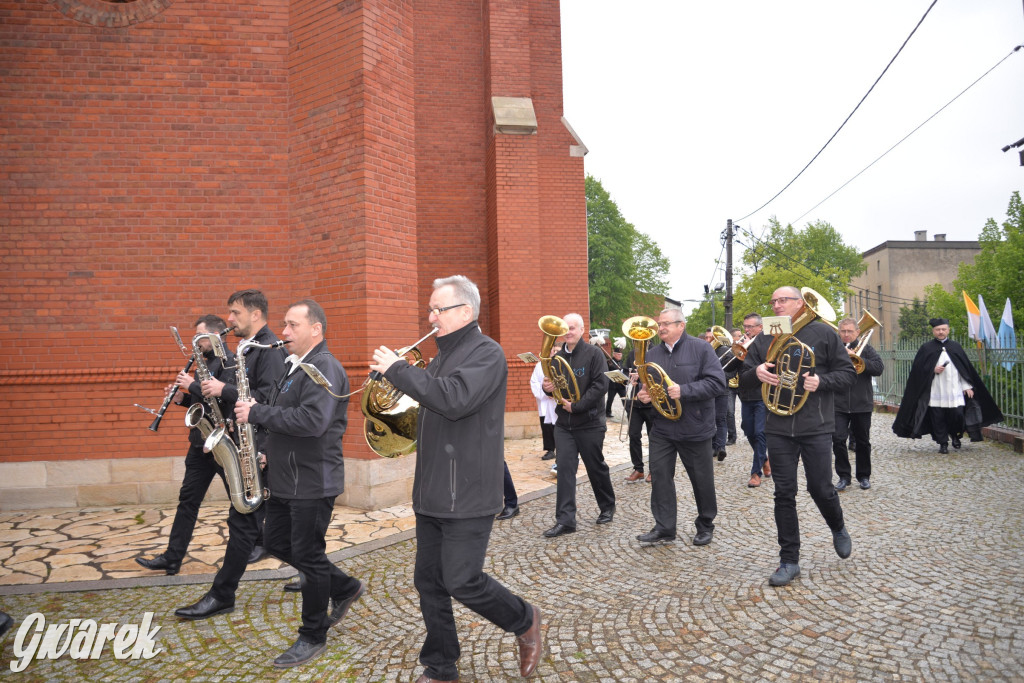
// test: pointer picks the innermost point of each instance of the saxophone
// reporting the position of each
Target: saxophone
(245, 478)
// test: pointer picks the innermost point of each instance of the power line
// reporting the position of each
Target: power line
(848, 117)
(921, 125)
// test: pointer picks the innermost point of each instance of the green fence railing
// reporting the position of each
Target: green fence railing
(1002, 370)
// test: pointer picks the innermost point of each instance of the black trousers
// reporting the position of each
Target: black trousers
(817, 456)
(730, 416)
(200, 469)
(639, 417)
(859, 425)
(698, 461)
(721, 422)
(946, 421)
(547, 432)
(587, 444)
(450, 564)
(511, 498)
(614, 389)
(295, 534)
(243, 530)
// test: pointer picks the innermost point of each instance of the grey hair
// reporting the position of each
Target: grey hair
(755, 316)
(574, 316)
(847, 321)
(465, 291)
(677, 311)
(794, 291)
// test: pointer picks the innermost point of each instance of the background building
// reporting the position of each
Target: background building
(899, 271)
(158, 155)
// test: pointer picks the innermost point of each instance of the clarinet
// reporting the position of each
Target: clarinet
(167, 399)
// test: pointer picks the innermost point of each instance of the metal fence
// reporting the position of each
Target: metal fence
(1002, 370)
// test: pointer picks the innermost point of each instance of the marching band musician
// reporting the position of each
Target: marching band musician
(200, 467)
(457, 486)
(579, 431)
(854, 406)
(698, 379)
(248, 313)
(615, 389)
(641, 415)
(306, 472)
(806, 433)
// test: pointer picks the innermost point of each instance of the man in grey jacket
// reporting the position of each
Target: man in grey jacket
(698, 379)
(457, 489)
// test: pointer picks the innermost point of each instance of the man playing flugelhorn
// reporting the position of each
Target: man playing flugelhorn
(804, 432)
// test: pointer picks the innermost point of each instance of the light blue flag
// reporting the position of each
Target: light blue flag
(1007, 336)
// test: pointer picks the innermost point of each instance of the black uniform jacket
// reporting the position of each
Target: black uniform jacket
(860, 396)
(833, 367)
(694, 366)
(263, 367)
(304, 425)
(460, 429)
(222, 370)
(588, 366)
(912, 420)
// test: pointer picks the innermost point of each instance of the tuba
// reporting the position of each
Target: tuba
(557, 369)
(641, 330)
(792, 358)
(391, 416)
(865, 328)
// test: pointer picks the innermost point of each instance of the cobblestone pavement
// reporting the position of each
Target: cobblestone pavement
(933, 591)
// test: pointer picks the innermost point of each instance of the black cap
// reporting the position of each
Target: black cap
(935, 322)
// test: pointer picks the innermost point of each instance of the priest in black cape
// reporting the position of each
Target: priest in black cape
(941, 412)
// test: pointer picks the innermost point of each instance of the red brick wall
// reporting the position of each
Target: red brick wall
(151, 165)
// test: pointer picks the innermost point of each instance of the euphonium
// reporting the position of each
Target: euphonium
(720, 337)
(557, 369)
(243, 473)
(641, 330)
(865, 328)
(787, 397)
(391, 416)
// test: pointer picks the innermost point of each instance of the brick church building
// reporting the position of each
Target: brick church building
(158, 155)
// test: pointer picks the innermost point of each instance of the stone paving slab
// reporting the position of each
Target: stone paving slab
(933, 591)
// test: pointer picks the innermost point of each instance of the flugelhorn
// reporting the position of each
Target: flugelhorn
(641, 330)
(557, 369)
(792, 358)
(865, 328)
(390, 416)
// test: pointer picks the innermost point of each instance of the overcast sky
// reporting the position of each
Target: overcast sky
(697, 112)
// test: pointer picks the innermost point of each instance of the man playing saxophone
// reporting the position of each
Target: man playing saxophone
(248, 313)
(805, 432)
(304, 425)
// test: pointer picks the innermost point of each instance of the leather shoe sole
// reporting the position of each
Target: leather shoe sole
(559, 530)
(531, 646)
(293, 586)
(703, 538)
(605, 517)
(340, 607)
(159, 563)
(508, 513)
(208, 606)
(299, 653)
(655, 538)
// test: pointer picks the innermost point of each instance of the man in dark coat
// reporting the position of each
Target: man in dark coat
(457, 488)
(854, 406)
(933, 401)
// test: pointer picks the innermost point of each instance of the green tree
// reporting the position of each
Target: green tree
(913, 321)
(623, 262)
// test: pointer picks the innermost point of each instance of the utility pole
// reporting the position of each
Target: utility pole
(728, 275)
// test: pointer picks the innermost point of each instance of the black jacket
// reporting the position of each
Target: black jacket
(263, 367)
(694, 366)
(912, 419)
(628, 366)
(860, 396)
(835, 372)
(222, 370)
(752, 392)
(589, 365)
(304, 425)
(460, 430)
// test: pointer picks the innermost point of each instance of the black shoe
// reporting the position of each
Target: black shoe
(784, 574)
(548, 455)
(257, 554)
(943, 449)
(295, 586)
(605, 516)
(864, 483)
(6, 622)
(340, 607)
(842, 543)
(841, 485)
(721, 455)
(955, 440)
(300, 653)
(731, 441)
(654, 537)
(559, 530)
(608, 415)
(160, 562)
(509, 512)
(703, 537)
(208, 606)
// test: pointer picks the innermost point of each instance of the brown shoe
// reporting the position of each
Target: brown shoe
(634, 477)
(767, 470)
(754, 482)
(648, 478)
(531, 646)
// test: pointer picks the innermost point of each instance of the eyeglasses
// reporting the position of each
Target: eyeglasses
(671, 322)
(783, 299)
(439, 311)
(750, 327)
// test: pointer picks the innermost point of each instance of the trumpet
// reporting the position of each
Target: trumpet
(641, 330)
